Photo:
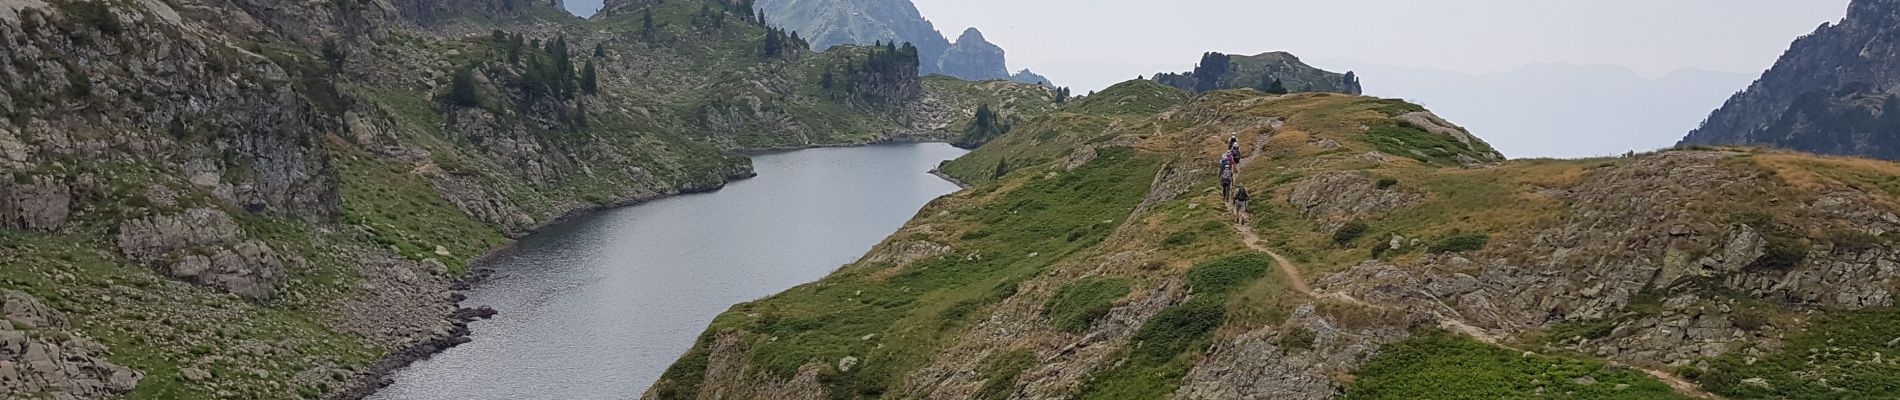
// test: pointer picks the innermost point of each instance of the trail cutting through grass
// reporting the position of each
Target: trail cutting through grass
(1298, 280)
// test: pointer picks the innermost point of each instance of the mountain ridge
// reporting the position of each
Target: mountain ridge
(1833, 92)
(835, 22)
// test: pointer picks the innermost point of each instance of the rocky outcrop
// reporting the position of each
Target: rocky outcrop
(34, 202)
(1336, 198)
(39, 360)
(1835, 91)
(1295, 360)
(1594, 266)
(1031, 77)
(973, 57)
(1432, 123)
(204, 246)
(1219, 71)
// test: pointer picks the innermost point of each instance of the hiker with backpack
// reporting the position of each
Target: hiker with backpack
(1240, 205)
(1226, 178)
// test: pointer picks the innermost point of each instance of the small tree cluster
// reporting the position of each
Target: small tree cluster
(646, 25)
(462, 91)
(509, 45)
(1062, 95)
(985, 126)
(887, 65)
(1271, 85)
(778, 42)
(551, 72)
(334, 55)
(709, 17)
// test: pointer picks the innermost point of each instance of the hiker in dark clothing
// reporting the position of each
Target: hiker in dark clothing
(1240, 205)
(1226, 182)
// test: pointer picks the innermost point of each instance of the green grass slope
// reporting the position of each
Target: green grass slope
(1093, 259)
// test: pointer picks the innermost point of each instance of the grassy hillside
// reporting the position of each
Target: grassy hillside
(1396, 258)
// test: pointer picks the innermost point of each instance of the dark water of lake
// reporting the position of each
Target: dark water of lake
(598, 307)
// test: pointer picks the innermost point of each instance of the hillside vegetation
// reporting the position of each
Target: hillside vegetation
(1391, 255)
(263, 200)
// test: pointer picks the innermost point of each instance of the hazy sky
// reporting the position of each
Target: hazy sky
(1089, 44)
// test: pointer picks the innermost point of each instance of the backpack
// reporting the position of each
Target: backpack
(1227, 174)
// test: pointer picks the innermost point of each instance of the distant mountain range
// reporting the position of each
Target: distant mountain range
(1834, 92)
(1559, 110)
(827, 23)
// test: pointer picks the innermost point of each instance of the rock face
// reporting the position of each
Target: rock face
(204, 246)
(1336, 198)
(38, 203)
(1266, 364)
(1218, 71)
(39, 360)
(973, 58)
(827, 23)
(1836, 91)
(1027, 76)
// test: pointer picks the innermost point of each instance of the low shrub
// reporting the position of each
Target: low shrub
(999, 378)
(1176, 329)
(1854, 241)
(1784, 247)
(1298, 337)
(1222, 276)
(96, 14)
(1178, 239)
(1075, 308)
(1440, 365)
(1349, 232)
(1459, 243)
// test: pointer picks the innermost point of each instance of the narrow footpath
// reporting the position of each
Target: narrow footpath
(1298, 281)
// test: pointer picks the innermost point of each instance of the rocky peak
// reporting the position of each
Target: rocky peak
(1833, 92)
(972, 35)
(973, 58)
(1874, 12)
(827, 23)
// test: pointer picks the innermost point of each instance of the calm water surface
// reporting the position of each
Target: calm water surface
(598, 307)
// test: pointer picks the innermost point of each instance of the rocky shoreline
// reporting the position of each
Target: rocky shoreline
(377, 375)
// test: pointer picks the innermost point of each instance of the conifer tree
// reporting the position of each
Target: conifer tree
(590, 82)
(646, 24)
(773, 43)
(514, 49)
(462, 88)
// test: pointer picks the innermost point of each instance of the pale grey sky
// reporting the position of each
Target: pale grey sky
(1090, 44)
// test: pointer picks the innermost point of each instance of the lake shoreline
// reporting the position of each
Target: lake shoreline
(380, 374)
